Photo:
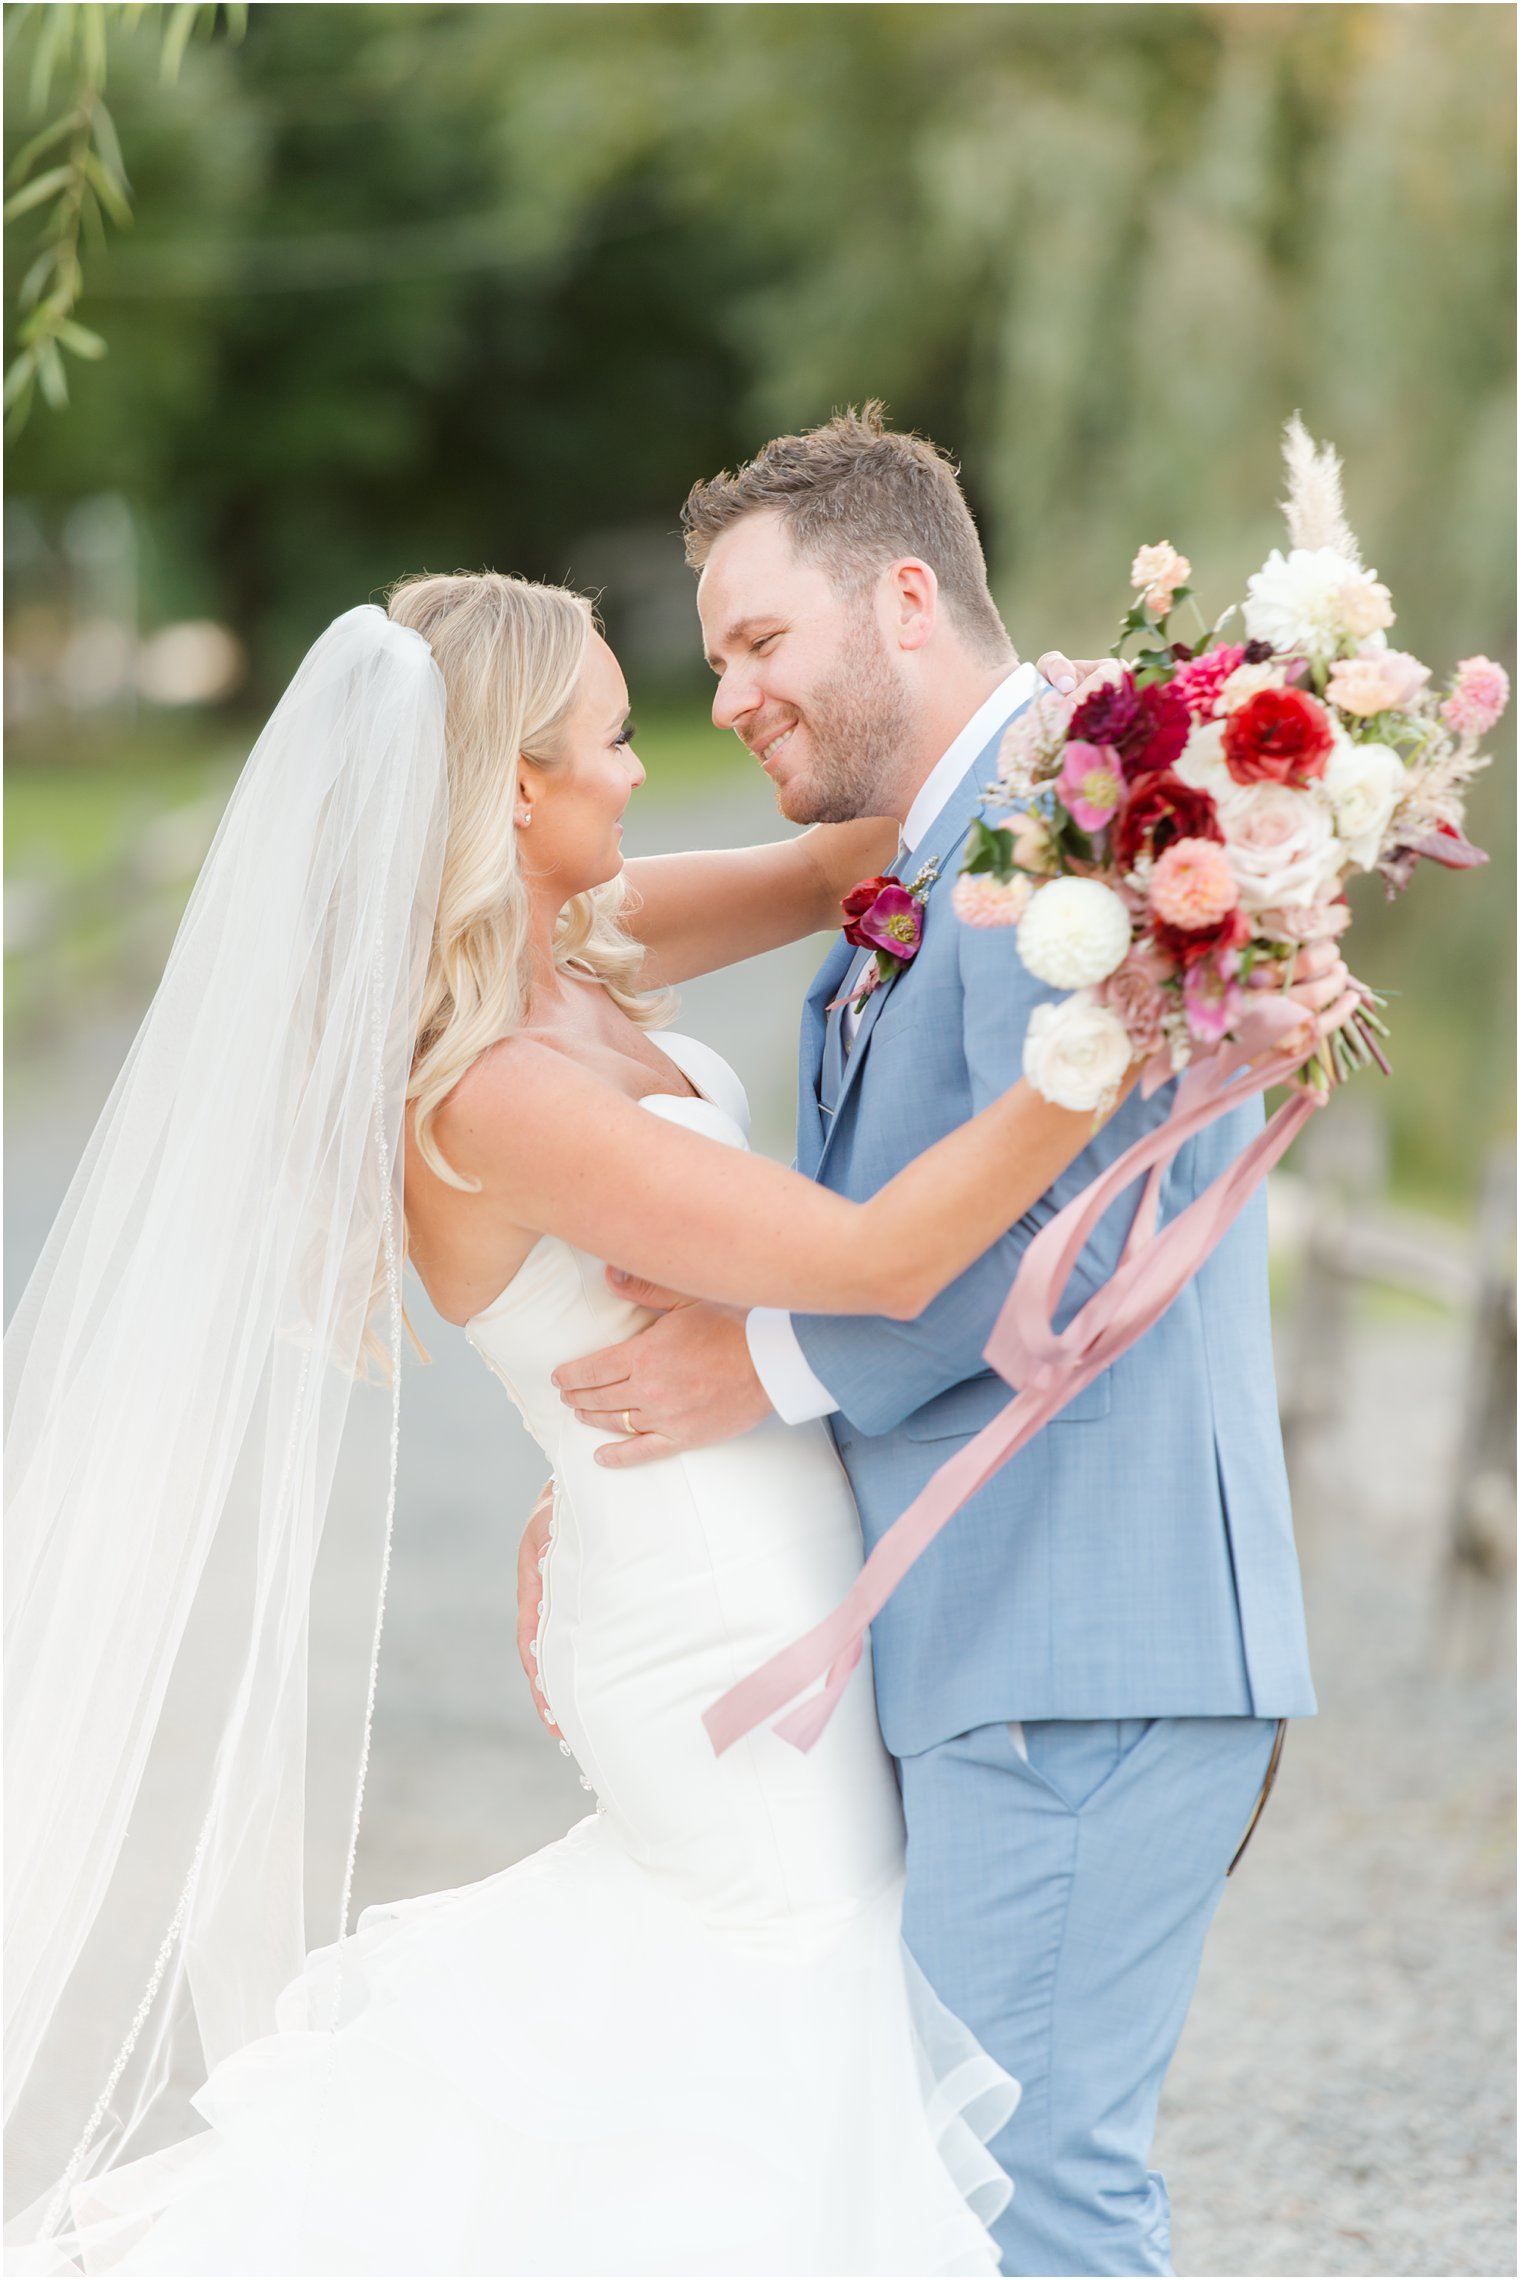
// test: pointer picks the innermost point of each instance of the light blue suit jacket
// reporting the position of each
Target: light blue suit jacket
(1135, 1560)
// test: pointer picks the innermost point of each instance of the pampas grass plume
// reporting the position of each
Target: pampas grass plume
(1314, 509)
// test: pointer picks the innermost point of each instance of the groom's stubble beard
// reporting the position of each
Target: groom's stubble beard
(859, 723)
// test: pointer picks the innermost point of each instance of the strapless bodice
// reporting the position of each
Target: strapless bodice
(558, 1305)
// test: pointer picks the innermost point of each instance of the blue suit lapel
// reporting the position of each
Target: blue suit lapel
(938, 851)
(819, 1039)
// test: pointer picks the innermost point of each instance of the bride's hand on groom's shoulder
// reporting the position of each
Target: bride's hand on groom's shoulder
(1069, 674)
(682, 1382)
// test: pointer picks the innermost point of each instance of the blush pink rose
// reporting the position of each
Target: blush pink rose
(1281, 845)
(1033, 847)
(1384, 680)
(1316, 922)
(1364, 608)
(1133, 991)
(1159, 571)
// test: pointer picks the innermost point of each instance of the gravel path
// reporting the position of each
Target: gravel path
(1342, 2101)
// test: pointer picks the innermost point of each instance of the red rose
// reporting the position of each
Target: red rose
(1279, 736)
(857, 902)
(1159, 732)
(1160, 809)
(1187, 944)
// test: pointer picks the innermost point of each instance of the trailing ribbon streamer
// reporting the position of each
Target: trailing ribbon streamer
(1050, 1367)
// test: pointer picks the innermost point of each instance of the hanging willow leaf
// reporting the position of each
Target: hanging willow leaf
(38, 191)
(92, 38)
(51, 376)
(19, 379)
(110, 148)
(179, 23)
(110, 194)
(26, 158)
(42, 268)
(80, 340)
(52, 40)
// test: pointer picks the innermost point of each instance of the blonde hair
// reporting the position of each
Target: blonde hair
(511, 655)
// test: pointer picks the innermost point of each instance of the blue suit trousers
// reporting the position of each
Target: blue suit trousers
(1059, 1906)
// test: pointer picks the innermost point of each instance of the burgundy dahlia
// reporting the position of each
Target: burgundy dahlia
(1187, 944)
(1108, 715)
(1160, 810)
(1160, 732)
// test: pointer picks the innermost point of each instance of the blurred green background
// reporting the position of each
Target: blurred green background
(434, 286)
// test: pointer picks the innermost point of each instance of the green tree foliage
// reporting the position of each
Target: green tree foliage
(71, 175)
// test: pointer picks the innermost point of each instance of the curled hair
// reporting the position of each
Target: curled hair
(854, 495)
(511, 654)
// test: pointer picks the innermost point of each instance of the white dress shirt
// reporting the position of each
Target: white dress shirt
(795, 1391)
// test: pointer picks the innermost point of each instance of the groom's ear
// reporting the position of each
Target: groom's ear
(912, 593)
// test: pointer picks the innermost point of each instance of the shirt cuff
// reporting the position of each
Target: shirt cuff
(794, 1392)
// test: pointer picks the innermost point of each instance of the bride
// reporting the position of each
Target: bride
(687, 2038)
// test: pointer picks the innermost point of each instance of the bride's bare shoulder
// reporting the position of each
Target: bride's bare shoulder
(521, 1091)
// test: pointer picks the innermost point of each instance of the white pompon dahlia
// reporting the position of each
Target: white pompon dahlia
(1311, 600)
(1074, 933)
(979, 899)
(1076, 1053)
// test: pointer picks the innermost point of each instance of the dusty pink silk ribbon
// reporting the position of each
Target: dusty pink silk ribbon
(1049, 1367)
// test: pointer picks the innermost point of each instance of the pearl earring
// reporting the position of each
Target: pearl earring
(527, 817)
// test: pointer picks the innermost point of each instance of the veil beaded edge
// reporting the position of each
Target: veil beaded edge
(179, 1380)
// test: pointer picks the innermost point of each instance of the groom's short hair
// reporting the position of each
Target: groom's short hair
(854, 495)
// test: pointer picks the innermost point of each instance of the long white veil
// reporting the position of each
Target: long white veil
(179, 1379)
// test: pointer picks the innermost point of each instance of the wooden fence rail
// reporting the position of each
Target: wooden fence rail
(1334, 1228)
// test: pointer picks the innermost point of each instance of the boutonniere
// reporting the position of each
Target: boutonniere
(883, 915)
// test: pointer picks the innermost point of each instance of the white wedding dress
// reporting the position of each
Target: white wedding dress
(685, 2039)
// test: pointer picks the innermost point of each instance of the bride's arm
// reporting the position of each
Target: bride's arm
(694, 913)
(559, 1153)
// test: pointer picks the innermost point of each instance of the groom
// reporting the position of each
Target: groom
(1081, 1678)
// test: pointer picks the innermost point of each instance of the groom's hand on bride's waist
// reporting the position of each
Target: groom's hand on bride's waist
(680, 1383)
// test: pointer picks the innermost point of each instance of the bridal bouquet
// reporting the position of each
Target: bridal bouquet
(1177, 833)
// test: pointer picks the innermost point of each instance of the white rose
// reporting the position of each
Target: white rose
(1076, 1053)
(1363, 784)
(1248, 681)
(1201, 762)
(1075, 932)
(1281, 844)
(1311, 600)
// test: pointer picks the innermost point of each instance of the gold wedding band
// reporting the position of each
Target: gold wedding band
(628, 1424)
